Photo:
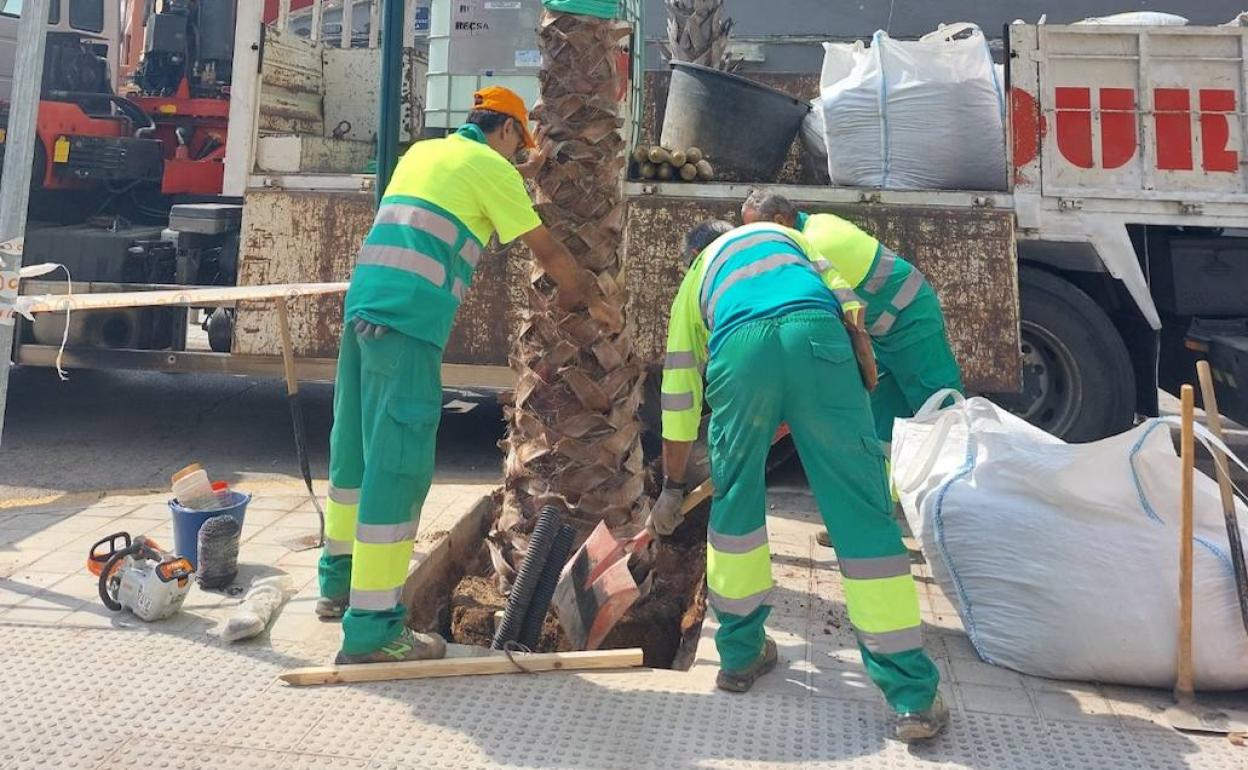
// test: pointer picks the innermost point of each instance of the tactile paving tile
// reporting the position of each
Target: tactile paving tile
(171, 696)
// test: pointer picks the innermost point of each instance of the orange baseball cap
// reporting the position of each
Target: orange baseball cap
(508, 102)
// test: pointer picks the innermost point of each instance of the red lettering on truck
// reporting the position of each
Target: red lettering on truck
(1117, 117)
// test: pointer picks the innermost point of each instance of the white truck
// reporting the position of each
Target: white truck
(1118, 254)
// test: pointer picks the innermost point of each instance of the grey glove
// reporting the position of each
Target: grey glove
(666, 515)
(369, 330)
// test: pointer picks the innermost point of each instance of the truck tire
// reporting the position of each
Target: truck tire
(1078, 383)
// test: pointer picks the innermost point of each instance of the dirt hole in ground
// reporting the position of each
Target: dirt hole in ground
(665, 625)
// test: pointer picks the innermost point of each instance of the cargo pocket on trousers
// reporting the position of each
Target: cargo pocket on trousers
(874, 449)
(412, 426)
(832, 352)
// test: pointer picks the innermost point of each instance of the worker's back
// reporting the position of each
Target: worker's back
(754, 272)
(446, 199)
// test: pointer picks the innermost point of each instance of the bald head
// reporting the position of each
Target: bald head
(764, 206)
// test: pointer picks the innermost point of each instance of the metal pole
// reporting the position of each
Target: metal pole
(389, 109)
(19, 153)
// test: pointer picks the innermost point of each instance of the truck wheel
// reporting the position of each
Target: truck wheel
(1078, 383)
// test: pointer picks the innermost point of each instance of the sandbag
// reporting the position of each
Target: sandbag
(924, 115)
(1063, 558)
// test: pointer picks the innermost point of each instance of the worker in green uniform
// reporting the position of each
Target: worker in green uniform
(764, 322)
(903, 313)
(445, 200)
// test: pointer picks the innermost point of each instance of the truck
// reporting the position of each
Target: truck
(1115, 257)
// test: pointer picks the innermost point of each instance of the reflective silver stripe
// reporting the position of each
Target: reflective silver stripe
(384, 534)
(752, 270)
(459, 289)
(717, 261)
(908, 291)
(822, 265)
(680, 359)
(470, 252)
(888, 643)
(736, 543)
(879, 567)
(845, 296)
(733, 606)
(338, 547)
(412, 261)
(344, 496)
(376, 601)
(883, 270)
(677, 402)
(421, 219)
(882, 324)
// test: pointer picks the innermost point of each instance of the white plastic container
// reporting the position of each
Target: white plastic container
(193, 489)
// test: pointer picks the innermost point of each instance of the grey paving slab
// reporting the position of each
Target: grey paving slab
(80, 684)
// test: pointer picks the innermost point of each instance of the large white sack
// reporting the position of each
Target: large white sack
(1063, 558)
(814, 147)
(839, 60)
(1138, 19)
(925, 114)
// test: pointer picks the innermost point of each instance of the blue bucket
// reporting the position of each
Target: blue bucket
(187, 521)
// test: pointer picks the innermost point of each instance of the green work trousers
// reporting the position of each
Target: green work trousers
(387, 403)
(913, 357)
(801, 369)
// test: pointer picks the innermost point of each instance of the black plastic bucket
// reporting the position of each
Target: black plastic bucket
(743, 128)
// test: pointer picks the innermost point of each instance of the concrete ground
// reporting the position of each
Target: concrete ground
(84, 687)
(87, 688)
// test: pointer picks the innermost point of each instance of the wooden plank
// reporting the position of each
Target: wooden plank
(447, 667)
(224, 295)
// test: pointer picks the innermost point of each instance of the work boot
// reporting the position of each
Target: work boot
(743, 680)
(409, 646)
(923, 725)
(823, 538)
(331, 609)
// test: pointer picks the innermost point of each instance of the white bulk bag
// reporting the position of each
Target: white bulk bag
(1063, 558)
(925, 114)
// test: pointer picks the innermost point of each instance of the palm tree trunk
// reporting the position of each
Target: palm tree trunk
(573, 430)
(698, 32)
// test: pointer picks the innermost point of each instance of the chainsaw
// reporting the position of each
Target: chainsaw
(139, 576)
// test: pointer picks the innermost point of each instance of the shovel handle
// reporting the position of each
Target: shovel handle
(1184, 679)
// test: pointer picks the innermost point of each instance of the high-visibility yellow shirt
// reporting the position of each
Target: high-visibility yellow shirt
(850, 249)
(762, 270)
(446, 199)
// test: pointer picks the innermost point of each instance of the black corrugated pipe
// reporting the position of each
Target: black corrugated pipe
(536, 614)
(540, 541)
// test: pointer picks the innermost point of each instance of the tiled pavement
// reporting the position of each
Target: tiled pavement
(82, 687)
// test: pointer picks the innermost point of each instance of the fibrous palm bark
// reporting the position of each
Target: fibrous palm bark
(698, 32)
(572, 428)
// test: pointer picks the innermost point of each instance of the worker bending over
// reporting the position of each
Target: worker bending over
(902, 312)
(445, 200)
(757, 314)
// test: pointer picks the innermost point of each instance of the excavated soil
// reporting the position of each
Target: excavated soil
(665, 625)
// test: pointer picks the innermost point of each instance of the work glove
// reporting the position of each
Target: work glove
(666, 515)
(369, 330)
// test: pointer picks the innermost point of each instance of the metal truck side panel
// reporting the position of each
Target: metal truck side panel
(967, 254)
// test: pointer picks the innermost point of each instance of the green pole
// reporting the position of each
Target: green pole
(389, 109)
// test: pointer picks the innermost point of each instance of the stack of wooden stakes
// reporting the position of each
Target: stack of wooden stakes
(668, 165)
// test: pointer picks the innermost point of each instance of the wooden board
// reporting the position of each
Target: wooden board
(447, 667)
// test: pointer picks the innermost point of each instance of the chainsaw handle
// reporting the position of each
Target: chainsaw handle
(107, 572)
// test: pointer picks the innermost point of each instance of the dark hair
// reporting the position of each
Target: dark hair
(769, 205)
(704, 235)
(488, 121)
